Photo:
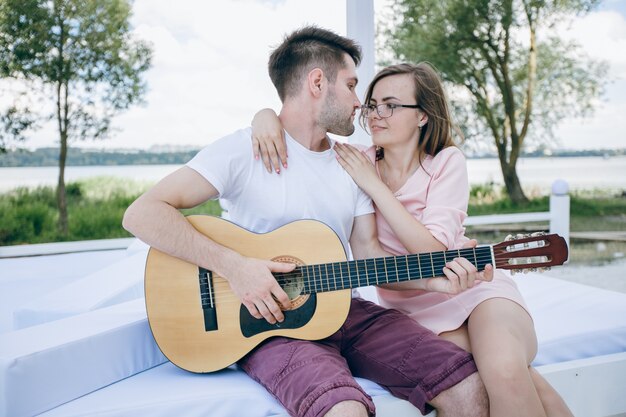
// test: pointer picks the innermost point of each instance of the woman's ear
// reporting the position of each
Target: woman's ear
(423, 119)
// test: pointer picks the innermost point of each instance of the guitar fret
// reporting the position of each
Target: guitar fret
(358, 274)
(395, 261)
(475, 261)
(419, 265)
(376, 271)
(367, 275)
(386, 274)
(311, 275)
(326, 271)
(340, 273)
(408, 270)
(432, 266)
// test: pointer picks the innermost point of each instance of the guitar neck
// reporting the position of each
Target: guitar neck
(392, 269)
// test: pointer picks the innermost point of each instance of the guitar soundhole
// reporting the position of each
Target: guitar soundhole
(292, 283)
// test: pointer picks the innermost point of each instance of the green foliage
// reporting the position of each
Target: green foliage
(27, 216)
(96, 208)
(506, 205)
(491, 199)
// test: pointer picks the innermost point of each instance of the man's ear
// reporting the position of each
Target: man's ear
(316, 81)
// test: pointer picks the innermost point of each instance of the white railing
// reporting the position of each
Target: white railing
(558, 216)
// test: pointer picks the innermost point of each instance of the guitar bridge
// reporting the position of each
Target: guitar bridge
(207, 299)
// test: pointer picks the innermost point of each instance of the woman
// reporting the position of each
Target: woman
(417, 178)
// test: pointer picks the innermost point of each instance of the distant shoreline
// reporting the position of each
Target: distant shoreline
(48, 157)
(536, 174)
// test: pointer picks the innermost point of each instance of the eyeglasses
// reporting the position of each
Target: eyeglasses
(385, 110)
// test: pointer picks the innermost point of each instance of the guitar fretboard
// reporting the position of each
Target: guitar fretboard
(363, 272)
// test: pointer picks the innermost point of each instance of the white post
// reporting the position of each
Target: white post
(360, 27)
(559, 209)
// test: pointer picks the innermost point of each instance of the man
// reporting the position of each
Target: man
(314, 72)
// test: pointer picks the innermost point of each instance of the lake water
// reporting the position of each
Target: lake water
(534, 173)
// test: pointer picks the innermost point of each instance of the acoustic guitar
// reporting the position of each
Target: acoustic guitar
(201, 326)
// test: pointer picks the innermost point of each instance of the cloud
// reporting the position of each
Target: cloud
(602, 35)
(210, 68)
(209, 73)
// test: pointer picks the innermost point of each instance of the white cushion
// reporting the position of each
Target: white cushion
(573, 321)
(168, 391)
(25, 279)
(44, 366)
(119, 282)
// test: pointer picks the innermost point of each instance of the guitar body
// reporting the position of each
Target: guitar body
(175, 307)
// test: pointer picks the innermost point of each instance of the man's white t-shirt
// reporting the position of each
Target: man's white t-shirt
(314, 186)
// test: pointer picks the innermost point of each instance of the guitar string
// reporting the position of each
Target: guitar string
(326, 278)
(436, 264)
(321, 282)
(223, 295)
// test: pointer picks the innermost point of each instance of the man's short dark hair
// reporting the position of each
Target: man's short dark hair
(305, 49)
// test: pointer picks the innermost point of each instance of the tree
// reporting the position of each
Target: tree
(78, 54)
(521, 77)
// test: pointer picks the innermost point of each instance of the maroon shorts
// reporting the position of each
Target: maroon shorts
(384, 346)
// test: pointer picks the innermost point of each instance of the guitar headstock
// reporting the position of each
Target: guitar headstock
(534, 252)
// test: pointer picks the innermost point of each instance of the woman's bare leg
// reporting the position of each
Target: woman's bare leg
(511, 327)
(551, 400)
(503, 343)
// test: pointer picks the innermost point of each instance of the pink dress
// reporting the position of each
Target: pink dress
(437, 195)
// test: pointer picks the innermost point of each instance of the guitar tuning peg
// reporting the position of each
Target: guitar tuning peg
(520, 236)
(538, 234)
(509, 237)
(525, 271)
(533, 269)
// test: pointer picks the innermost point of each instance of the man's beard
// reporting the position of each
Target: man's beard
(335, 119)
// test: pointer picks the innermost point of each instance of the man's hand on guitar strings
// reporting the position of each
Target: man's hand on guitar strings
(253, 283)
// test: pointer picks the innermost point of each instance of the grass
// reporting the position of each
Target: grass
(96, 207)
(95, 210)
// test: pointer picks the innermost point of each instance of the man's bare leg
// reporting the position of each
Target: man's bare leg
(468, 398)
(347, 409)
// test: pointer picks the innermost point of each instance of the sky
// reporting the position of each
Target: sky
(209, 73)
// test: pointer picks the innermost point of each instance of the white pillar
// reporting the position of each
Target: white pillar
(559, 209)
(361, 28)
